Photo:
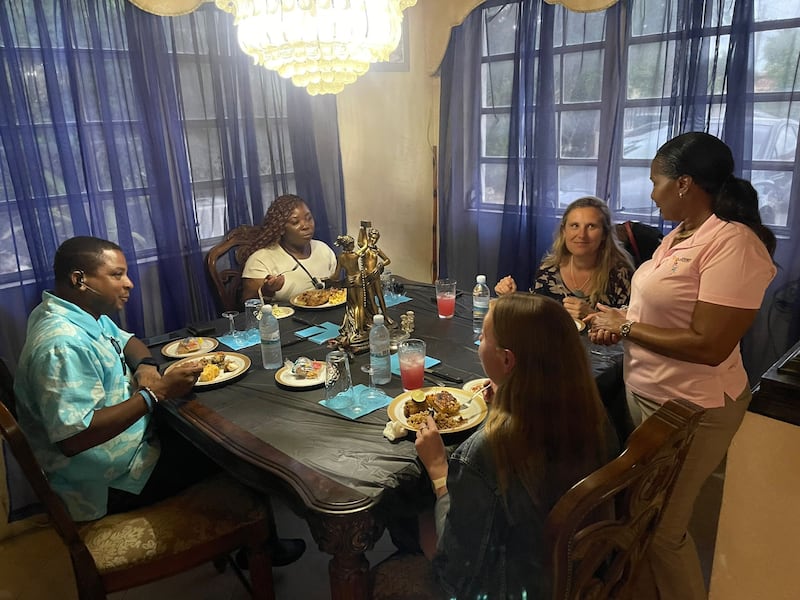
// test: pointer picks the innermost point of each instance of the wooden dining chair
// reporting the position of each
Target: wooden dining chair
(203, 523)
(225, 262)
(598, 532)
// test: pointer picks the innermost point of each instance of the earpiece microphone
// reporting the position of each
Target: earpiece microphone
(83, 284)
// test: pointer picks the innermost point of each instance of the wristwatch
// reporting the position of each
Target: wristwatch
(625, 328)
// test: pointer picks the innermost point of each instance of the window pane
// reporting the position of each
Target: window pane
(646, 134)
(773, 189)
(776, 60)
(498, 82)
(575, 182)
(634, 192)
(494, 132)
(494, 183)
(774, 138)
(770, 10)
(583, 28)
(580, 132)
(583, 76)
(500, 25)
(650, 17)
(14, 253)
(650, 70)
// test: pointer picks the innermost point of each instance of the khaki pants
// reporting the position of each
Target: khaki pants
(672, 568)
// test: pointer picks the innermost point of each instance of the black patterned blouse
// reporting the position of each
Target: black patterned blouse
(549, 283)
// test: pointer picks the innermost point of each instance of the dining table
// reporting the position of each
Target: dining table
(341, 474)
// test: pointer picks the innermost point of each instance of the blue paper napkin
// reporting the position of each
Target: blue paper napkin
(395, 299)
(395, 362)
(309, 331)
(366, 406)
(245, 339)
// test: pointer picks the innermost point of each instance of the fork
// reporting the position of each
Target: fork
(466, 404)
(294, 268)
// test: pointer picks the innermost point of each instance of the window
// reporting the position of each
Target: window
(81, 123)
(585, 103)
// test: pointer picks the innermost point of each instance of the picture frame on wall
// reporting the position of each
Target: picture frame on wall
(398, 60)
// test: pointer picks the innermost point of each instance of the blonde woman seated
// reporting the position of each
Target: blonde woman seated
(284, 260)
(545, 432)
(586, 265)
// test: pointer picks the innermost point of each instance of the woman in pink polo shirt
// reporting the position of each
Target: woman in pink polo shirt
(690, 306)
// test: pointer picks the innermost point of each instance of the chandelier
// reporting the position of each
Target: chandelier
(321, 45)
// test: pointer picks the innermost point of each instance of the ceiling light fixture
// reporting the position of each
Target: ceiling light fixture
(321, 45)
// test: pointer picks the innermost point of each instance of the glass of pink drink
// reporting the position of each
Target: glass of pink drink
(446, 297)
(411, 355)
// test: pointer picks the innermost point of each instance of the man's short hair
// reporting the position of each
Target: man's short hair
(81, 253)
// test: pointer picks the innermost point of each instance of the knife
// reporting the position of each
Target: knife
(445, 376)
(303, 321)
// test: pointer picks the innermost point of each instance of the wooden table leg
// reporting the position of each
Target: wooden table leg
(347, 538)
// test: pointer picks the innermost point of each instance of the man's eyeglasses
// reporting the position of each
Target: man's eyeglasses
(118, 350)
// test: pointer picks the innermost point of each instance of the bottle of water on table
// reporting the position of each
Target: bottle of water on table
(270, 335)
(379, 351)
(480, 303)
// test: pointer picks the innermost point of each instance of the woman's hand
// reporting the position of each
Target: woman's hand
(605, 324)
(506, 285)
(273, 283)
(577, 308)
(431, 449)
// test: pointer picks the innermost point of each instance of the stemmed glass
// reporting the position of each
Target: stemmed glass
(372, 393)
(231, 315)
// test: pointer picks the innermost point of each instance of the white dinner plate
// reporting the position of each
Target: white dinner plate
(206, 345)
(473, 385)
(284, 376)
(295, 302)
(281, 312)
(474, 414)
(240, 360)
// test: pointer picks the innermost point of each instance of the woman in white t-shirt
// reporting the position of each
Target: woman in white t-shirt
(284, 260)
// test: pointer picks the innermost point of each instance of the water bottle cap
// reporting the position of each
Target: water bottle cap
(266, 308)
(377, 320)
(481, 279)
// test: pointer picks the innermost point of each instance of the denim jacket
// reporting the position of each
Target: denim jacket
(488, 549)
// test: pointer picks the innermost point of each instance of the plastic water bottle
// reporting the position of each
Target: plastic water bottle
(480, 303)
(270, 335)
(379, 351)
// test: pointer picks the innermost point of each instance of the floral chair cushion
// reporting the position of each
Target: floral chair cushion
(404, 577)
(201, 513)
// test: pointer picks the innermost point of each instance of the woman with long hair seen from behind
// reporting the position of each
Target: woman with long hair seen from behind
(690, 306)
(545, 431)
(587, 263)
(285, 260)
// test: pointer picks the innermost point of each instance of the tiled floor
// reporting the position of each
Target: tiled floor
(307, 579)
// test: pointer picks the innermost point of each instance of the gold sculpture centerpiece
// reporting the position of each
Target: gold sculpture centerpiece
(360, 265)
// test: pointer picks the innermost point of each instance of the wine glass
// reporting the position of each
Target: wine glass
(372, 393)
(231, 315)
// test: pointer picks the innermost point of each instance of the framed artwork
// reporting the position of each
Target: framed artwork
(398, 60)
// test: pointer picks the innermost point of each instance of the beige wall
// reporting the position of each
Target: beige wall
(388, 128)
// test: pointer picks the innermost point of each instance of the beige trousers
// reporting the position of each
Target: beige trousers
(672, 567)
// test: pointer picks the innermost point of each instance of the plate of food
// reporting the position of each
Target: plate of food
(189, 346)
(281, 312)
(303, 373)
(218, 367)
(320, 298)
(445, 405)
(473, 386)
(579, 324)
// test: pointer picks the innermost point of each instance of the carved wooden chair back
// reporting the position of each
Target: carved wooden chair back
(225, 262)
(205, 522)
(597, 533)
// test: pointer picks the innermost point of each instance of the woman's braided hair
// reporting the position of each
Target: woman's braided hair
(274, 223)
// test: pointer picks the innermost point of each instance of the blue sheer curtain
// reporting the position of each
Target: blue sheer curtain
(592, 98)
(159, 134)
